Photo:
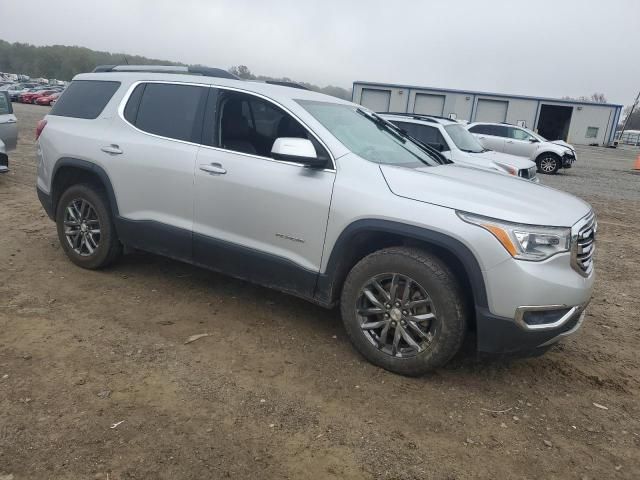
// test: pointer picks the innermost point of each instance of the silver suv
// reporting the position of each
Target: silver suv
(549, 156)
(455, 143)
(316, 197)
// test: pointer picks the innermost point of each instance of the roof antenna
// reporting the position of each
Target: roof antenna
(124, 57)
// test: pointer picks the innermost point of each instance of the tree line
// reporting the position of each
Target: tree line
(64, 62)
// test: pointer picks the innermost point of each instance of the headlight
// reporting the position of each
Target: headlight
(508, 168)
(524, 242)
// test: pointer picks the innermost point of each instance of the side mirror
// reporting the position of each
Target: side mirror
(533, 140)
(298, 150)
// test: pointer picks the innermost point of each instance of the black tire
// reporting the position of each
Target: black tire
(441, 286)
(109, 247)
(548, 163)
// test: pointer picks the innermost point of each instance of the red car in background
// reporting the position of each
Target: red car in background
(31, 97)
(47, 99)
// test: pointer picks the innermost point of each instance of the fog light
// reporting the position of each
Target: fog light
(542, 317)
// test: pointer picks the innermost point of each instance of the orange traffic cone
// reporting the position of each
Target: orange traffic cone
(636, 166)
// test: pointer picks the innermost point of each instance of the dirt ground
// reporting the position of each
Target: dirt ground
(97, 383)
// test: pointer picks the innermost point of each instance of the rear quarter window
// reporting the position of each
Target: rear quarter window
(85, 99)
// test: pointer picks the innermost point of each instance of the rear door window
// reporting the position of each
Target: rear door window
(85, 98)
(168, 110)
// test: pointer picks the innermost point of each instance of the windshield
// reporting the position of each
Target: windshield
(368, 136)
(464, 140)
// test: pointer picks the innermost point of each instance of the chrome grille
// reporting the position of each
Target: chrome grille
(583, 244)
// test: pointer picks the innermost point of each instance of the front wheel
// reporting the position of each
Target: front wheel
(85, 227)
(403, 310)
(548, 164)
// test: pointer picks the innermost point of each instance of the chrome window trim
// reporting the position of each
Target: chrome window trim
(125, 100)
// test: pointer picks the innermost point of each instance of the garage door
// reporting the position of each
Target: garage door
(376, 100)
(429, 104)
(491, 111)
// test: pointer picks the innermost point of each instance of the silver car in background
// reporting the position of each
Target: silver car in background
(8, 130)
(549, 156)
(455, 143)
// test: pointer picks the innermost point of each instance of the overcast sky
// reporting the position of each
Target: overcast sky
(543, 47)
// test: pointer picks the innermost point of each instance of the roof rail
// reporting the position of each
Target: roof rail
(284, 83)
(204, 71)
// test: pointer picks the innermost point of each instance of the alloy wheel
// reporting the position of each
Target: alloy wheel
(82, 227)
(548, 164)
(396, 315)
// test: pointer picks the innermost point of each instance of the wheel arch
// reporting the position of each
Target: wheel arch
(364, 237)
(69, 171)
(546, 153)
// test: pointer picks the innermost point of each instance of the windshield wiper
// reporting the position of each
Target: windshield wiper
(382, 124)
(403, 136)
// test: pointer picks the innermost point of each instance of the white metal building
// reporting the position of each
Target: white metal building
(573, 121)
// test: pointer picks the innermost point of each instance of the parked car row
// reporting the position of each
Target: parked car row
(323, 199)
(502, 147)
(33, 93)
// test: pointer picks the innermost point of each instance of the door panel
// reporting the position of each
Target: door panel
(150, 157)
(269, 207)
(153, 182)
(519, 144)
(491, 142)
(520, 148)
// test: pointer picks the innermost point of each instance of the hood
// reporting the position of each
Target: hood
(562, 143)
(513, 160)
(486, 193)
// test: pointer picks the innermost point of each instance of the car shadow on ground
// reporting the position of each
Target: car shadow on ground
(319, 322)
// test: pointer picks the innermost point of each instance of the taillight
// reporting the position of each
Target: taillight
(40, 127)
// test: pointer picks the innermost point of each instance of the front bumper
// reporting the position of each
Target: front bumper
(504, 335)
(567, 160)
(527, 303)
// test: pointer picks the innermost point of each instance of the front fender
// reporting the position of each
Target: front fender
(330, 282)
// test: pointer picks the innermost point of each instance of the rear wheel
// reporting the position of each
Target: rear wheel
(403, 310)
(548, 163)
(85, 227)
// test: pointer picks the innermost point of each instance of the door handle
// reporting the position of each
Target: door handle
(11, 120)
(214, 168)
(112, 149)
(481, 138)
(509, 141)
